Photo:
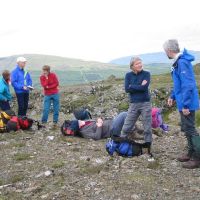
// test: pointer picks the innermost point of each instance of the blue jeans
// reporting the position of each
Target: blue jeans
(54, 98)
(118, 123)
(22, 100)
(4, 105)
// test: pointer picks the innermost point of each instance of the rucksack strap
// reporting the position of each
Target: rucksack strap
(5, 115)
(39, 126)
(25, 73)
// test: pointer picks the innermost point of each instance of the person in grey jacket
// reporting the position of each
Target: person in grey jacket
(96, 129)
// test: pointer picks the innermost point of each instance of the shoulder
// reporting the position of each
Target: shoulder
(128, 74)
(146, 72)
(53, 74)
(41, 76)
(1, 81)
(14, 70)
(184, 64)
(183, 61)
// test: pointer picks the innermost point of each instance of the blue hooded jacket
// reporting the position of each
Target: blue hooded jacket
(19, 79)
(4, 91)
(185, 90)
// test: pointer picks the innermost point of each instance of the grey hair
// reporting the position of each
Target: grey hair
(133, 59)
(171, 45)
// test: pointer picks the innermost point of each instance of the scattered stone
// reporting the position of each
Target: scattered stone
(50, 138)
(48, 173)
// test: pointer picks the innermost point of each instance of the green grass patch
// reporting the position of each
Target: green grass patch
(67, 139)
(19, 145)
(22, 156)
(2, 138)
(11, 196)
(165, 115)
(91, 169)
(198, 118)
(123, 106)
(58, 164)
(1, 182)
(16, 178)
(60, 181)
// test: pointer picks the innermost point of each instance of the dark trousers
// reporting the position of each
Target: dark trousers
(134, 111)
(4, 105)
(22, 100)
(188, 127)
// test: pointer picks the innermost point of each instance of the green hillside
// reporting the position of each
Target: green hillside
(75, 71)
(36, 61)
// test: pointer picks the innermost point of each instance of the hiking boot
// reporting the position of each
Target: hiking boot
(191, 164)
(55, 125)
(184, 157)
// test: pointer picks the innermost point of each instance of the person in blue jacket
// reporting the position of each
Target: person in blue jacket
(5, 95)
(22, 83)
(185, 93)
(137, 83)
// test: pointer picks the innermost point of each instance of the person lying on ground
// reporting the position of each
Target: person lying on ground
(95, 129)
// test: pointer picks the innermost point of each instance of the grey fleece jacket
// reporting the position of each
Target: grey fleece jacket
(91, 131)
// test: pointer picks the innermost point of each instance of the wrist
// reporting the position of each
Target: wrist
(99, 124)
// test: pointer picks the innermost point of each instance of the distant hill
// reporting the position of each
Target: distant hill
(149, 58)
(75, 71)
(36, 61)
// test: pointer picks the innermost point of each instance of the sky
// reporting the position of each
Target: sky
(99, 30)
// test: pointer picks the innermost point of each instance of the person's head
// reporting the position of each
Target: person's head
(6, 75)
(46, 69)
(136, 64)
(21, 61)
(70, 128)
(171, 48)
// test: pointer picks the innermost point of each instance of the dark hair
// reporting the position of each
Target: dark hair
(46, 68)
(6, 74)
(70, 128)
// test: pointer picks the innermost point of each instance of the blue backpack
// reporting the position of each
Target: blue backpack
(124, 148)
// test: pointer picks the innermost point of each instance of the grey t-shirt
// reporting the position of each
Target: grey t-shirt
(91, 131)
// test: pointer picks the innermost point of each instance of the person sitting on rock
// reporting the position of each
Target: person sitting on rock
(5, 95)
(95, 129)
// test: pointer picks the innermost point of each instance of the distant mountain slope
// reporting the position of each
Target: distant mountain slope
(75, 71)
(36, 61)
(149, 58)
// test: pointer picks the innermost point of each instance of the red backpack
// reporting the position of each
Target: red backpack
(16, 123)
(25, 123)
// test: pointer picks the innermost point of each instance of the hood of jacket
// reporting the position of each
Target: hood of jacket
(185, 55)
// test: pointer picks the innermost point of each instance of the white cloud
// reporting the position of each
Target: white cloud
(96, 29)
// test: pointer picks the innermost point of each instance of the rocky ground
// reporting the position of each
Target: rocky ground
(46, 165)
